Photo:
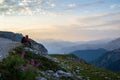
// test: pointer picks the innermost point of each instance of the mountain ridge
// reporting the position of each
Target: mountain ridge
(90, 54)
(111, 45)
(109, 60)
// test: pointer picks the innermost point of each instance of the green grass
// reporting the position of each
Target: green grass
(7, 66)
(87, 70)
(14, 59)
(45, 62)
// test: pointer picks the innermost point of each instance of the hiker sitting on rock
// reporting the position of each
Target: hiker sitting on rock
(26, 41)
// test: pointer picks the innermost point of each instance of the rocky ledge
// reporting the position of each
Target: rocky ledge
(9, 40)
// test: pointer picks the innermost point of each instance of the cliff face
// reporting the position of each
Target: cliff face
(17, 38)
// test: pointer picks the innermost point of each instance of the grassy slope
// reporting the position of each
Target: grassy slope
(85, 69)
(7, 65)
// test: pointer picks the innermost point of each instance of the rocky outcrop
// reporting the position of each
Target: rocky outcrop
(39, 47)
(17, 38)
(56, 75)
(12, 36)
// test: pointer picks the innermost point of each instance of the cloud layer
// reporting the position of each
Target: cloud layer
(38, 7)
(25, 7)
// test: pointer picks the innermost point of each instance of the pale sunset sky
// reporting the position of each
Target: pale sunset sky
(70, 20)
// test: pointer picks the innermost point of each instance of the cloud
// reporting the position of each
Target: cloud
(82, 28)
(99, 19)
(38, 7)
(115, 6)
(25, 7)
(72, 5)
(106, 21)
(77, 5)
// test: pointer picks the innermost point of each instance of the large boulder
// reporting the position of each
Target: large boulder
(37, 48)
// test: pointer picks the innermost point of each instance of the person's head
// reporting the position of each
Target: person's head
(26, 36)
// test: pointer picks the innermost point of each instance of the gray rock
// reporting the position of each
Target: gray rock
(41, 72)
(68, 74)
(107, 78)
(56, 75)
(62, 73)
(39, 47)
(50, 71)
(51, 58)
(41, 78)
(77, 71)
(31, 50)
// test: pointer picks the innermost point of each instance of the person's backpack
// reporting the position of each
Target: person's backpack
(23, 40)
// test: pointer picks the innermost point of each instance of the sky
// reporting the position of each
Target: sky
(69, 20)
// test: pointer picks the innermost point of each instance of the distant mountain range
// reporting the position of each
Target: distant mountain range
(110, 61)
(60, 46)
(110, 45)
(55, 46)
(89, 55)
(114, 44)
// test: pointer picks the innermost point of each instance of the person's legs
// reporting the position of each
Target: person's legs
(28, 44)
